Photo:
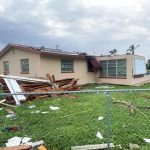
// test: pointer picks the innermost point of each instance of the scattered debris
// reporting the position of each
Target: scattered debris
(9, 111)
(44, 112)
(133, 146)
(147, 140)
(104, 87)
(35, 112)
(92, 147)
(99, 135)
(32, 106)
(20, 147)
(12, 128)
(100, 118)
(15, 141)
(14, 84)
(70, 96)
(25, 140)
(10, 115)
(53, 108)
(22, 141)
(74, 114)
(130, 107)
(145, 96)
(41, 147)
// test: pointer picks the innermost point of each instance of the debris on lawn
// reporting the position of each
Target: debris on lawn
(9, 111)
(44, 112)
(2, 102)
(104, 87)
(145, 96)
(100, 118)
(70, 96)
(147, 140)
(22, 141)
(12, 128)
(25, 140)
(130, 107)
(53, 108)
(74, 114)
(35, 112)
(1, 109)
(20, 147)
(32, 106)
(133, 146)
(15, 84)
(15, 141)
(99, 135)
(41, 147)
(93, 147)
(10, 115)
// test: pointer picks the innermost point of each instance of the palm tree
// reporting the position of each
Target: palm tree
(113, 52)
(131, 49)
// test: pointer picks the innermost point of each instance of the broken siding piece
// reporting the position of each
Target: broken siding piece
(14, 87)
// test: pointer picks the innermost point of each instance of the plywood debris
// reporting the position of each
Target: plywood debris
(14, 84)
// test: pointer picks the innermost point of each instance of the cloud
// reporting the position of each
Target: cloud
(86, 25)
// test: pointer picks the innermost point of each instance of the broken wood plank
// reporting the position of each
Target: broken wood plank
(92, 147)
(8, 105)
(9, 111)
(20, 147)
(2, 101)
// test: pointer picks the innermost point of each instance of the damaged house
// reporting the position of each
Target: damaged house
(28, 61)
(35, 62)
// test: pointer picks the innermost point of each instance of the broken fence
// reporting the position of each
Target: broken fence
(106, 92)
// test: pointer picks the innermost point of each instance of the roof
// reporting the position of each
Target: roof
(42, 51)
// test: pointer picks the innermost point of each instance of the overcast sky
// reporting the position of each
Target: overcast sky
(92, 26)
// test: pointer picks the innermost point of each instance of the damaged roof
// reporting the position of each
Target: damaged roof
(41, 50)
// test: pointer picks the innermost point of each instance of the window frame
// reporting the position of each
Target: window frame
(5, 69)
(108, 71)
(24, 70)
(64, 68)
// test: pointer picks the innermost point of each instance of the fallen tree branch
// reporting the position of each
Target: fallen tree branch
(130, 107)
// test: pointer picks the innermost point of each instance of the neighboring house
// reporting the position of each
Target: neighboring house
(27, 61)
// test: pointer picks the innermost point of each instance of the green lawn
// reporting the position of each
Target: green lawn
(81, 129)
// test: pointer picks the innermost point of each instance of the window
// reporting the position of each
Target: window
(67, 65)
(113, 68)
(24, 65)
(5, 67)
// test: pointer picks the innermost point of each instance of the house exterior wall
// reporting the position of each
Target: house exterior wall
(40, 65)
(129, 80)
(14, 56)
(52, 65)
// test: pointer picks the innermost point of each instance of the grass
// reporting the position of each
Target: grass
(80, 129)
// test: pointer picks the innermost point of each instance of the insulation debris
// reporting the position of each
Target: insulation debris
(99, 135)
(53, 108)
(16, 85)
(147, 140)
(100, 118)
